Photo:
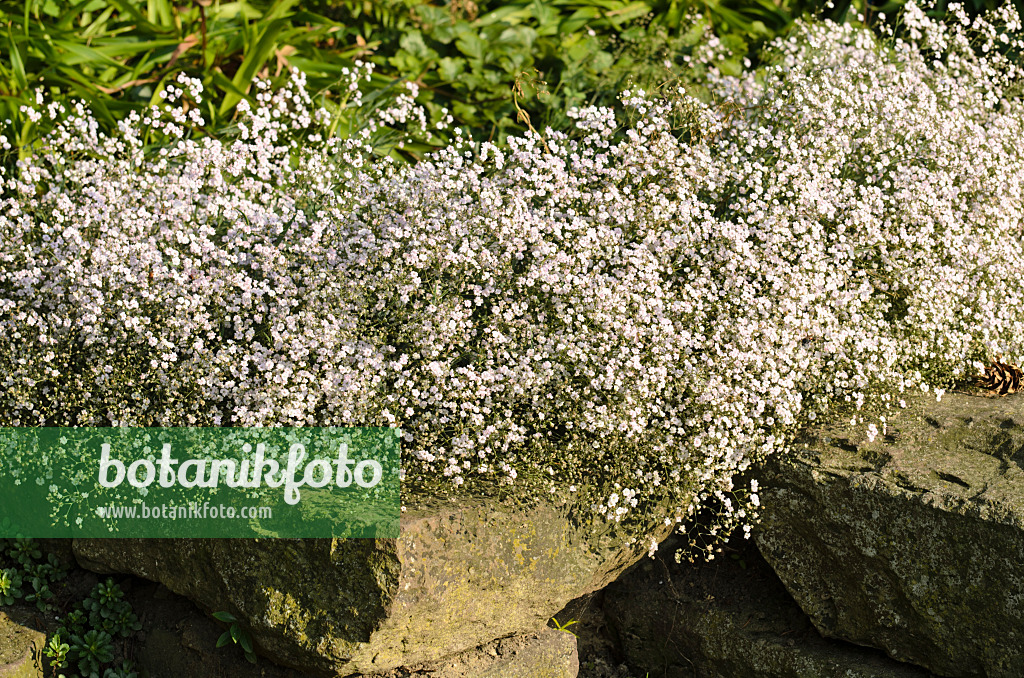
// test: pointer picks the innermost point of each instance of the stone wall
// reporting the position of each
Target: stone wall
(899, 557)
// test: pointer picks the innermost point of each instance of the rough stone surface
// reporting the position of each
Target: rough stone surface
(178, 640)
(598, 648)
(546, 654)
(460, 576)
(729, 618)
(913, 543)
(20, 645)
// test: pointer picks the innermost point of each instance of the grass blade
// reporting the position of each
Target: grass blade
(17, 64)
(254, 59)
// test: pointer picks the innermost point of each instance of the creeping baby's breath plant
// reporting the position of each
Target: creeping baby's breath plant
(631, 316)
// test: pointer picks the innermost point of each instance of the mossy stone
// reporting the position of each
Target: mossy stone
(914, 542)
(462, 574)
(21, 645)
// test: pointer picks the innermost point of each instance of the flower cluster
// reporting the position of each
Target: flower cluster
(644, 311)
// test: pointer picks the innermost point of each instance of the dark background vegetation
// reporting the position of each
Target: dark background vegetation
(483, 61)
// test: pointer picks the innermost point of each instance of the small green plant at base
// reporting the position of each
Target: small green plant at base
(24, 551)
(235, 634)
(75, 621)
(125, 670)
(94, 649)
(91, 630)
(28, 575)
(565, 626)
(10, 586)
(57, 651)
(108, 611)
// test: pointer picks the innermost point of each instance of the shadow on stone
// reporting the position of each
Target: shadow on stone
(729, 618)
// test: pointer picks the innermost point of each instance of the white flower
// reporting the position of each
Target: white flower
(605, 308)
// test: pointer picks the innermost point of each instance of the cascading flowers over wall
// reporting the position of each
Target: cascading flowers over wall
(627, 313)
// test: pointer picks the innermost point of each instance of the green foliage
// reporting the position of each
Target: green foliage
(10, 586)
(465, 57)
(93, 649)
(91, 630)
(563, 627)
(468, 57)
(109, 612)
(118, 56)
(125, 670)
(57, 652)
(28, 574)
(235, 634)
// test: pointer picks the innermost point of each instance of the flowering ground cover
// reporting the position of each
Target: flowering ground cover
(629, 310)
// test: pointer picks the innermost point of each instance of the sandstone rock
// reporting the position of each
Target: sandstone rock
(729, 618)
(21, 645)
(461, 575)
(545, 654)
(177, 640)
(913, 543)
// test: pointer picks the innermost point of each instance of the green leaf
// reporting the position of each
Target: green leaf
(17, 65)
(579, 19)
(279, 10)
(521, 37)
(465, 112)
(98, 26)
(730, 67)
(225, 617)
(695, 34)
(626, 13)
(132, 46)
(601, 61)
(160, 12)
(443, 33)
(139, 18)
(254, 59)
(432, 16)
(633, 34)
(734, 44)
(546, 16)
(81, 54)
(673, 17)
(412, 42)
(470, 44)
(582, 49)
(224, 639)
(246, 642)
(510, 14)
(403, 62)
(839, 11)
(449, 69)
